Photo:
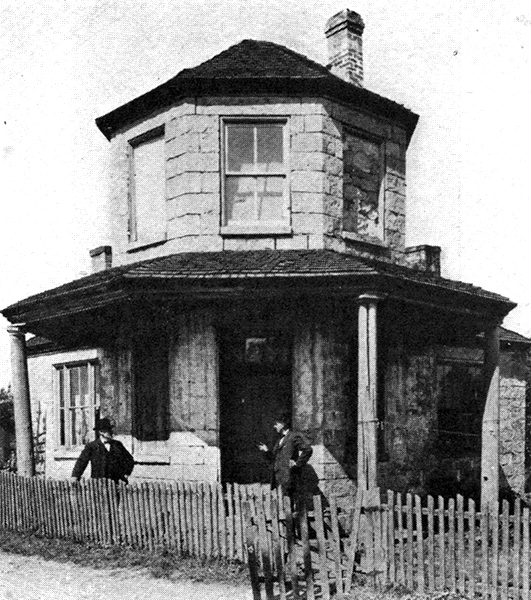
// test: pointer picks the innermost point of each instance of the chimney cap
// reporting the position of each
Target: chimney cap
(345, 19)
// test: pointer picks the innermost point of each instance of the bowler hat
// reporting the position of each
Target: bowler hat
(104, 424)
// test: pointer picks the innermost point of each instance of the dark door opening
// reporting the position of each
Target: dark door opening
(255, 386)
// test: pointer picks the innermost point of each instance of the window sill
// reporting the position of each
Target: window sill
(369, 241)
(153, 459)
(71, 454)
(272, 229)
(142, 244)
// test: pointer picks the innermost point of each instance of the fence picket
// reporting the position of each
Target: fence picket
(277, 547)
(264, 547)
(504, 571)
(451, 544)
(336, 546)
(421, 582)
(221, 522)
(485, 550)
(495, 532)
(250, 542)
(441, 542)
(391, 554)
(516, 547)
(461, 571)
(431, 543)
(472, 548)
(353, 541)
(214, 520)
(230, 522)
(292, 556)
(410, 582)
(321, 541)
(306, 552)
(525, 555)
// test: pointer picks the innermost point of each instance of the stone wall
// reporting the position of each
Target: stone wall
(315, 178)
(323, 394)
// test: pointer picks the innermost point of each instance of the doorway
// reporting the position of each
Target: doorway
(255, 387)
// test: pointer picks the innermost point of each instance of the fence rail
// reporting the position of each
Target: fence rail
(425, 544)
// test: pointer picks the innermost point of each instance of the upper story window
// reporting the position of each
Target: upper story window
(363, 192)
(147, 210)
(255, 191)
(77, 403)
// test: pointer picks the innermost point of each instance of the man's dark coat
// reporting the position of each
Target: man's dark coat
(292, 446)
(115, 463)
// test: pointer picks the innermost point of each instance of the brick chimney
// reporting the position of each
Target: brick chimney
(345, 54)
(101, 258)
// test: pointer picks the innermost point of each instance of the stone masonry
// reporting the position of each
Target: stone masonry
(316, 132)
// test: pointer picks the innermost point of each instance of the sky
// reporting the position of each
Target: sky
(464, 67)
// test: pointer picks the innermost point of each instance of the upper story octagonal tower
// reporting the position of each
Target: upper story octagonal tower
(261, 148)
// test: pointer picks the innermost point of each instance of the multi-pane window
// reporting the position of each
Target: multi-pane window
(147, 218)
(77, 402)
(363, 177)
(255, 183)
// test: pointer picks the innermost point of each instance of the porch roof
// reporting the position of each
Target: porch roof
(300, 271)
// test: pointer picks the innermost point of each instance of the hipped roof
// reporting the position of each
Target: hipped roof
(197, 272)
(255, 67)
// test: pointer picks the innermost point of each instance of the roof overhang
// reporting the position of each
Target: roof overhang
(329, 87)
(219, 276)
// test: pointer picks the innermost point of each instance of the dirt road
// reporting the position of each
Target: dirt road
(32, 578)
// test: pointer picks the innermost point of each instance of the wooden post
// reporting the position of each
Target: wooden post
(21, 401)
(490, 483)
(367, 391)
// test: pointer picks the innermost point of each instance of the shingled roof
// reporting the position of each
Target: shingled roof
(273, 266)
(255, 67)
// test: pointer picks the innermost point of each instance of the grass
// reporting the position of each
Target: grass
(167, 565)
(159, 563)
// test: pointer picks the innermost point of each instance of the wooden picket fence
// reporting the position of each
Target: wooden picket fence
(196, 519)
(407, 541)
(317, 551)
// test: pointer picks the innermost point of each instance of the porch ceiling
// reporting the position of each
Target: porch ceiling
(205, 275)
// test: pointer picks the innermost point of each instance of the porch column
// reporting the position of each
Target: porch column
(490, 460)
(21, 401)
(367, 391)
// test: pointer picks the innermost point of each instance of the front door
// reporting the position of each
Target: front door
(255, 387)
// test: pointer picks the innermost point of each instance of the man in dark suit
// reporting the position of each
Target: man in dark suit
(288, 458)
(108, 458)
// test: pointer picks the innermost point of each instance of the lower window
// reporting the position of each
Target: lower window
(77, 402)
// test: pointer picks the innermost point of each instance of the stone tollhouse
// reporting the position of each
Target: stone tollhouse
(259, 263)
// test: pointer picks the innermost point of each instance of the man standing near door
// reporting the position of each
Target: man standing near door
(288, 458)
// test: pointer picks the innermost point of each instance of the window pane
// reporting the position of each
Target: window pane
(74, 386)
(61, 388)
(240, 147)
(84, 385)
(149, 200)
(271, 204)
(269, 147)
(240, 199)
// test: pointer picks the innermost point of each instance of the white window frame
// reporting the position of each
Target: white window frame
(132, 230)
(256, 227)
(93, 402)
